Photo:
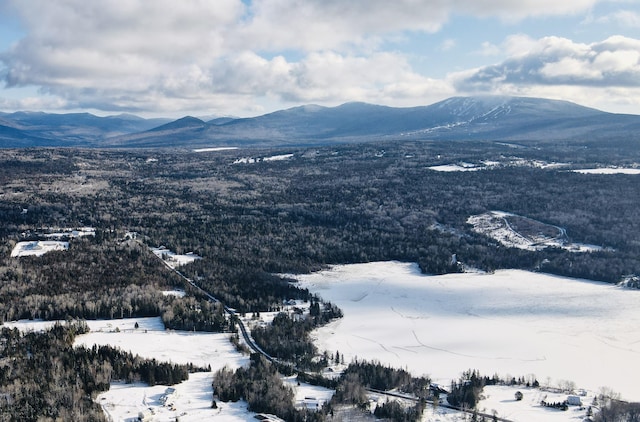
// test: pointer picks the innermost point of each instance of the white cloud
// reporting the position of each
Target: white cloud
(559, 61)
(231, 56)
(604, 75)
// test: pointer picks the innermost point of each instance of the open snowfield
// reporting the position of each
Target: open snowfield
(38, 248)
(510, 323)
(609, 170)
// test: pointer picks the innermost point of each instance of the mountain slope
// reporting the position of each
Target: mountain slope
(483, 117)
(73, 129)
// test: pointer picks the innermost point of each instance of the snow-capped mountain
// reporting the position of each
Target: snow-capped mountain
(459, 118)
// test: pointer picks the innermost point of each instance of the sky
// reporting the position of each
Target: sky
(249, 57)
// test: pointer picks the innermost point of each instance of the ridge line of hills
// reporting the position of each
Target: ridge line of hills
(458, 118)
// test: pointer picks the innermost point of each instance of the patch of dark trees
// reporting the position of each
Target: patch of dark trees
(287, 337)
(376, 376)
(44, 377)
(102, 278)
(393, 410)
(560, 405)
(261, 386)
(616, 410)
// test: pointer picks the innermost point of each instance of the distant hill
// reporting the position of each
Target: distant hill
(459, 118)
(73, 129)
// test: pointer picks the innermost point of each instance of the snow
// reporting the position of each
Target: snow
(308, 396)
(72, 233)
(487, 164)
(454, 167)
(172, 259)
(502, 399)
(151, 340)
(214, 149)
(495, 224)
(38, 247)
(280, 157)
(252, 160)
(176, 293)
(609, 170)
(192, 400)
(511, 323)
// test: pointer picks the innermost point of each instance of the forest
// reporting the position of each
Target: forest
(254, 222)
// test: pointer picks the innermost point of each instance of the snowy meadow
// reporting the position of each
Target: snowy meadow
(513, 323)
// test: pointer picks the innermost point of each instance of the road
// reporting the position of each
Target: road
(253, 346)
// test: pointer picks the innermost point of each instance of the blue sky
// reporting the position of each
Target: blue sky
(233, 57)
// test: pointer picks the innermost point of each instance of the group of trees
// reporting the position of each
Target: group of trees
(618, 411)
(287, 337)
(261, 386)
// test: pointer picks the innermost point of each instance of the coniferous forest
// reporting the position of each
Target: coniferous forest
(251, 220)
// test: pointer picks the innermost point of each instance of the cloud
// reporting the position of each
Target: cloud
(614, 62)
(604, 75)
(223, 55)
(626, 18)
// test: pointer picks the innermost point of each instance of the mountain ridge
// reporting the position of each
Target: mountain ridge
(500, 118)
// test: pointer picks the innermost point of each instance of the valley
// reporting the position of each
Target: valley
(276, 233)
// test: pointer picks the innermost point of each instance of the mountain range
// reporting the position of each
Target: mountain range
(459, 118)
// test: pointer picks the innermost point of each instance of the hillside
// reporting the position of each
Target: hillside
(25, 129)
(459, 118)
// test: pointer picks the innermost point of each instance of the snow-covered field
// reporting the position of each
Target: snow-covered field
(192, 398)
(487, 165)
(253, 160)
(456, 167)
(214, 149)
(495, 224)
(513, 323)
(609, 170)
(38, 248)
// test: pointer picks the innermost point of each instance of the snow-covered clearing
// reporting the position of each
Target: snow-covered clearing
(456, 167)
(38, 247)
(609, 170)
(192, 398)
(71, 233)
(510, 323)
(173, 259)
(487, 165)
(308, 396)
(214, 149)
(497, 225)
(502, 399)
(253, 160)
